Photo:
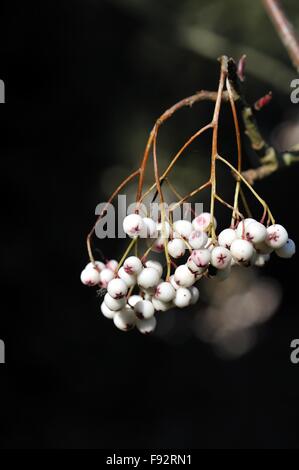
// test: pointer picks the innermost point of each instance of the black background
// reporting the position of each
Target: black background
(74, 74)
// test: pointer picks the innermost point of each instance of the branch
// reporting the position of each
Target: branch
(269, 158)
(284, 29)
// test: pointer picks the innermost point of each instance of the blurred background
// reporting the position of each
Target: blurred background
(85, 81)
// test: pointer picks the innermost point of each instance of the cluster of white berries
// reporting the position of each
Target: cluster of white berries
(250, 244)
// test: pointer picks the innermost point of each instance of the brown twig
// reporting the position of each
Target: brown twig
(284, 29)
(271, 160)
(199, 96)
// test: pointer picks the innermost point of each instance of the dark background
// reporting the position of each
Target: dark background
(85, 81)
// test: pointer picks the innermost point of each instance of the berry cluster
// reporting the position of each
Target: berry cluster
(136, 287)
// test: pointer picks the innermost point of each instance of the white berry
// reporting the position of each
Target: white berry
(114, 304)
(125, 320)
(149, 277)
(242, 227)
(220, 257)
(129, 279)
(133, 299)
(242, 250)
(156, 265)
(161, 306)
(176, 248)
(288, 250)
(144, 309)
(197, 239)
(203, 221)
(117, 288)
(226, 237)
(183, 297)
(173, 283)
(149, 228)
(183, 276)
(133, 225)
(183, 228)
(277, 236)
(165, 292)
(106, 311)
(146, 326)
(90, 277)
(255, 232)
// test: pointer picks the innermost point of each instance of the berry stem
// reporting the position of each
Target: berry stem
(229, 206)
(239, 147)
(263, 203)
(175, 158)
(188, 196)
(161, 198)
(118, 189)
(215, 125)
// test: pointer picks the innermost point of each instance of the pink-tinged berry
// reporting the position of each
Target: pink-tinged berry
(90, 277)
(112, 264)
(144, 309)
(105, 277)
(176, 248)
(117, 288)
(288, 250)
(197, 239)
(147, 326)
(129, 279)
(133, 225)
(226, 237)
(183, 276)
(183, 297)
(277, 236)
(201, 258)
(203, 221)
(242, 250)
(158, 245)
(98, 265)
(133, 265)
(165, 292)
(194, 268)
(220, 257)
